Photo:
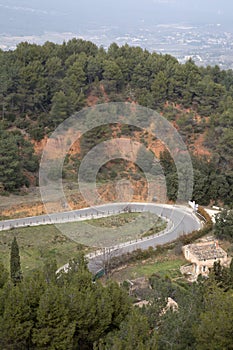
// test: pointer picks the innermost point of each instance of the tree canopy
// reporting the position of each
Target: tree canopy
(40, 86)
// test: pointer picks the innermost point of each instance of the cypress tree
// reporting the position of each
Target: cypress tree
(15, 268)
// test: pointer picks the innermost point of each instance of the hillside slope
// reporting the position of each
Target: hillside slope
(40, 86)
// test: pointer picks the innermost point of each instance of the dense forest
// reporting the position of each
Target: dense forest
(40, 86)
(46, 310)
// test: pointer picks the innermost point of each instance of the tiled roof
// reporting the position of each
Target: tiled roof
(207, 251)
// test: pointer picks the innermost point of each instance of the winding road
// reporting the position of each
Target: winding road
(181, 220)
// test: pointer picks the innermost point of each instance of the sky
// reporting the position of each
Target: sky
(38, 16)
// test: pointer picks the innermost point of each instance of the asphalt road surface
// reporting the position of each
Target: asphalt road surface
(181, 220)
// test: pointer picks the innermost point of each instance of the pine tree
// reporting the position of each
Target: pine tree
(11, 176)
(15, 268)
(16, 323)
(53, 329)
(134, 334)
(215, 327)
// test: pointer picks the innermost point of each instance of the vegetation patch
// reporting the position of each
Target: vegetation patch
(115, 220)
(169, 266)
(37, 244)
(40, 242)
(111, 231)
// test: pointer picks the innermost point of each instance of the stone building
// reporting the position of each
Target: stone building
(203, 255)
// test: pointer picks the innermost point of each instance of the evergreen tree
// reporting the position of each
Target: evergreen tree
(176, 327)
(119, 302)
(170, 173)
(15, 267)
(53, 329)
(3, 275)
(134, 334)
(10, 170)
(16, 323)
(224, 225)
(215, 327)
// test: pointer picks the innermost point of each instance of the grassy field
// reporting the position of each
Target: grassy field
(115, 220)
(164, 266)
(113, 230)
(65, 241)
(37, 244)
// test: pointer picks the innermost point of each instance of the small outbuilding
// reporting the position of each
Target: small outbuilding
(203, 255)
